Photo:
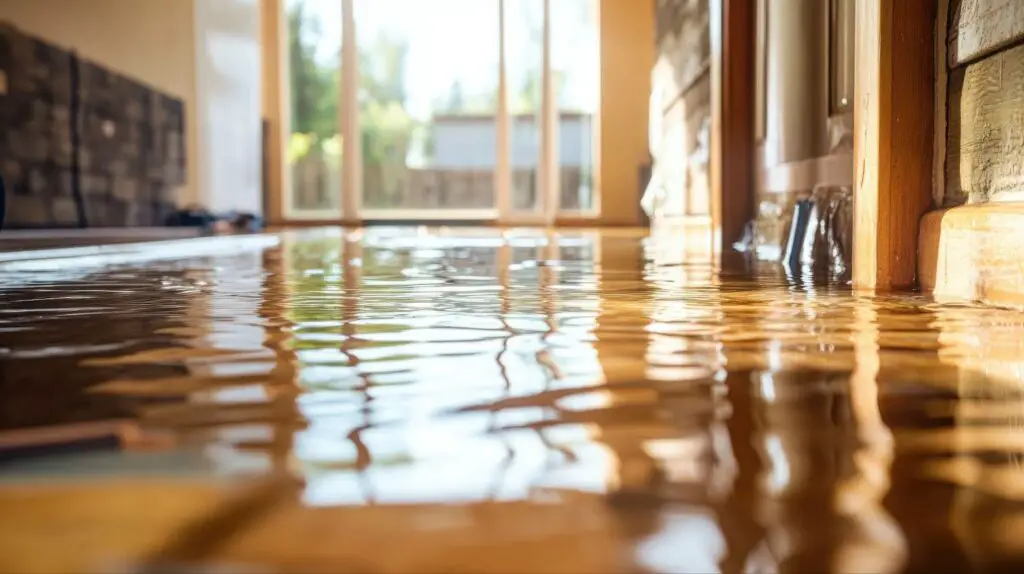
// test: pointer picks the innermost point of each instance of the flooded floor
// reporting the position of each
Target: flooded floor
(405, 400)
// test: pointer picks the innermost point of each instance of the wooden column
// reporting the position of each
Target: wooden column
(893, 127)
(273, 44)
(549, 168)
(732, 119)
(627, 56)
(348, 111)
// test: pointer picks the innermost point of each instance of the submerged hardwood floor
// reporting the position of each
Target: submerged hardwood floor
(426, 400)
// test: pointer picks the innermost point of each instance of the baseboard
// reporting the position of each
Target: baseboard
(974, 253)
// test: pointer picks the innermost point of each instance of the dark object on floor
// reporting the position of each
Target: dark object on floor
(191, 216)
(195, 216)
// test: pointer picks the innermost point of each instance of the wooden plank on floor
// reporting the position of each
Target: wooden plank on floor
(980, 27)
(892, 138)
(985, 151)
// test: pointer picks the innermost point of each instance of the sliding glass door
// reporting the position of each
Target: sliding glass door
(575, 71)
(442, 109)
(524, 76)
(428, 102)
(313, 187)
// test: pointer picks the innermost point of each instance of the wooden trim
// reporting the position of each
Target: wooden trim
(349, 121)
(502, 168)
(560, 221)
(586, 222)
(272, 53)
(732, 118)
(424, 214)
(491, 118)
(548, 164)
(284, 124)
(282, 224)
(972, 253)
(760, 69)
(596, 142)
(893, 128)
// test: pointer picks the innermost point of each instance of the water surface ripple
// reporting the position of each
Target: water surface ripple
(395, 400)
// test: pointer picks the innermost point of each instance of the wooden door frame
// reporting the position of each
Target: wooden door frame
(733, 57)
(893, 138)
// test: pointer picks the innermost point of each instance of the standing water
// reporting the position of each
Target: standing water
(402, 400)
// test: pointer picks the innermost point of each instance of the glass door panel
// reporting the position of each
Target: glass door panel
(575, 73)
(427, 98)
(313, 148)
(524, 45)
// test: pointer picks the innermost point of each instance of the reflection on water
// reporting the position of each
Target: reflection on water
(477, 400)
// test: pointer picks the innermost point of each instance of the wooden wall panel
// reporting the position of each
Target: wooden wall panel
(980, 27)
(985, 129)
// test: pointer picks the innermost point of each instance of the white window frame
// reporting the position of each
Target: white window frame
(546, 211)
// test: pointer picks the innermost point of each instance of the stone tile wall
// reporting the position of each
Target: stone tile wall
(130, 147)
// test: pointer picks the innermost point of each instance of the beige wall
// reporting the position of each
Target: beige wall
(151, 40)
(627, 56)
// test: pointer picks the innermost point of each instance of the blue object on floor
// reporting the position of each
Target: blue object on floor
(797, 231)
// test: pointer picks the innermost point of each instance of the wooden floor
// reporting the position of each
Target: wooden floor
(487, 400)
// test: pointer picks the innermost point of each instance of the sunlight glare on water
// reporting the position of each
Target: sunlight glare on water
(402, 399)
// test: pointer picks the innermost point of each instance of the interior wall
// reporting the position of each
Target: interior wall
(796, 86)
(681, 107)
(803, 115)
(627, 56)
(807, 120)
(151, 40)
(984, 158)
(228, 86)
